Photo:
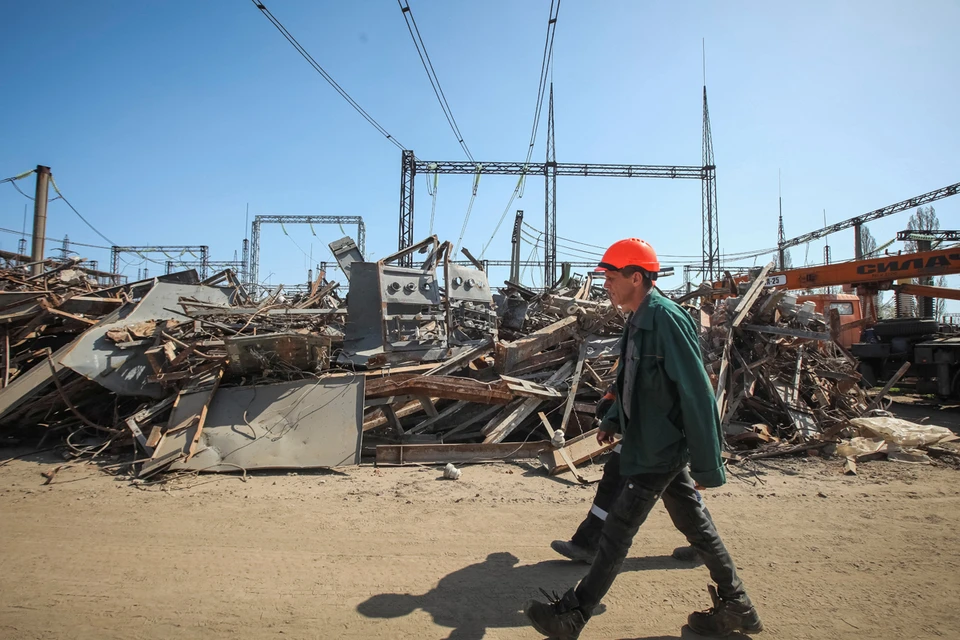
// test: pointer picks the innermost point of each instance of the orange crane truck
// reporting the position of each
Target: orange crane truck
(932, 348)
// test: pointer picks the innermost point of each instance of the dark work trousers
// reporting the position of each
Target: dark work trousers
(637, 497)
(588, 533)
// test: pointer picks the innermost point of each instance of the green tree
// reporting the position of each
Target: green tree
(925, 219)
(868, 244)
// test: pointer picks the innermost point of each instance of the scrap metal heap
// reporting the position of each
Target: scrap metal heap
(418, 364)
(784, 384)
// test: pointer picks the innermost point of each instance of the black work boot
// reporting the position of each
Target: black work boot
(573, 551)
(686, 554)
(559, 618)
(725, 617)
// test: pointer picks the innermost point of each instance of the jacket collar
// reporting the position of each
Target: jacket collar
(647, 310)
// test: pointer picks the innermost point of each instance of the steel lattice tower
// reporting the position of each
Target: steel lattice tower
(550, 201)
(710, 219)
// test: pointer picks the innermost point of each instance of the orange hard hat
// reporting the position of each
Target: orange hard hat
(631, 252)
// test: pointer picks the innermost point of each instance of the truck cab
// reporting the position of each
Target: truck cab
(849, 308)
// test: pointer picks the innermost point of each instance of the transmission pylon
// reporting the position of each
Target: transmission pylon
(710, 219)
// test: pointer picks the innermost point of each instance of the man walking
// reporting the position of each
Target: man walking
(583, 545)
(667, 414)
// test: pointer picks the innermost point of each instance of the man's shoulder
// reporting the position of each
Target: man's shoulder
(665, 313)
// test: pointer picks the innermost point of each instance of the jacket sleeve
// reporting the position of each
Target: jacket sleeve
(698, 405)
(611, 421)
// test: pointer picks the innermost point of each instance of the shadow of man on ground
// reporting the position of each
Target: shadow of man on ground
(491, 594)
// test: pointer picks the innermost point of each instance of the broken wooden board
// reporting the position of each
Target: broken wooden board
(786, 331)
(580, 449)
(461, 360)
(378, 418)
(187, 419)
(507, 356)
(504, 423)
(886, 388)
(457, 453)
(448, 387)
(529, 389)
(753, 293)
(572, 392)
(564, 454)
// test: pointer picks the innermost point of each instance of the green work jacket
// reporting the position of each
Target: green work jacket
(673, 411)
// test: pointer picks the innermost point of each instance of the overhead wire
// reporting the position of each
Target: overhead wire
(432, 74)
(466, 218)
(326, 76)
(19, 176)
(545, 72)
(503, 216)
(53, 183)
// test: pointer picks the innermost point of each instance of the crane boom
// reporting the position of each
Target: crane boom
(878, 272)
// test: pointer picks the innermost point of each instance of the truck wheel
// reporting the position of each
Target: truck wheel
(869, 375)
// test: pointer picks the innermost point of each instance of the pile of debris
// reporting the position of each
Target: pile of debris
(200, 377)
(420, 363)
(783, 382)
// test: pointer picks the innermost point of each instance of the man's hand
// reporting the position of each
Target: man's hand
(603, 405)
(605, 437)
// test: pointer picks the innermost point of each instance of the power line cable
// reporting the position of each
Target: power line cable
(544, 73)
(466, 218)
(19, 176)
(432, 74)
(53, 183)
(72, 242)
(326, 76)
(545, 67)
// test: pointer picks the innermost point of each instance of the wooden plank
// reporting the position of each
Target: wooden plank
(572, 394)
(466, 424)
(529, 389)
(580, 450)
(547, 360)
(886, 388)
(562, 451)
(508, 355)
(793, 333)
(153, 465)
(6, 358)
(443, 415)
(461, 360)
(184, 426)
(501, 427)
(753, 293)
(392, 419)
(69, 316)
(407, 409)
(723, 375)
(155, 434)
(138, 434)
(428, 406)
(449, 387)
(443, 453)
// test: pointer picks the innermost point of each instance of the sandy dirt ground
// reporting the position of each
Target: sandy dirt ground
(401, 553)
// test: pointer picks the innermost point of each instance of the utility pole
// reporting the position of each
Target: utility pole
(515, 248)
(40, 218)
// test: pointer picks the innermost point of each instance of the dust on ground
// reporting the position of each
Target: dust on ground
(402, 553)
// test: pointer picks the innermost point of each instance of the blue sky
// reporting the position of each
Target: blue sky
(162, 121)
